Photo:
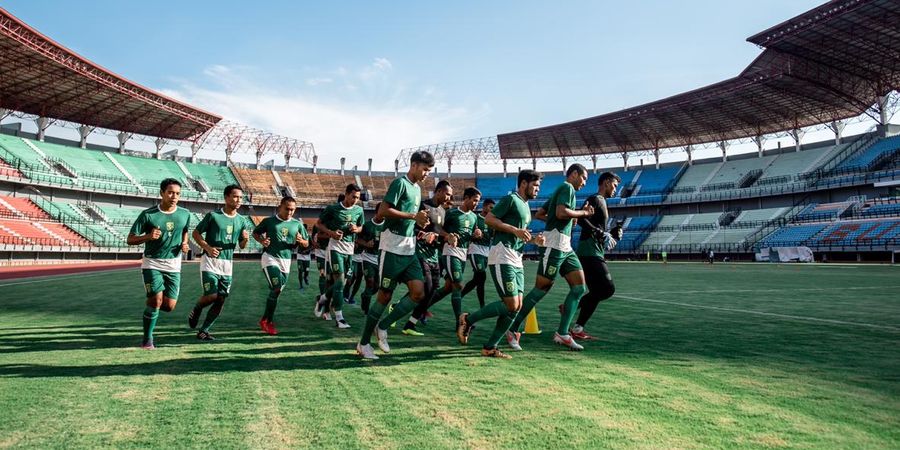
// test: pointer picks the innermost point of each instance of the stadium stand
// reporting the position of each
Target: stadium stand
(260, 184)
(871, 157)
(23, 222)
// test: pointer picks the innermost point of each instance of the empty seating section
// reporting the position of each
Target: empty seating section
(8, 171)
(22, 222)
(791, 235)
(149, 172)
(93, 169)
(758, 216)
(790, 164)
(875, 153)
(881, 208)
(214, 176)
(824, 211)
(496, 187)
(695, 176)
(21, 156)
(656, 181)
(377, 185)
(732, 172)
(260, 184)
(858, 232)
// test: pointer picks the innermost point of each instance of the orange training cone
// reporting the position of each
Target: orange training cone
(531, 323)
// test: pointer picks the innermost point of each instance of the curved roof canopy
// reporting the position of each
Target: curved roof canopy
(39, 76)
(830, 63)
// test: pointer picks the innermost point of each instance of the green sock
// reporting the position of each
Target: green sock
(456, 300)
(400, 311)
(212, 314)
(570, 307)
(322, 282)
(375, 311)
(528, 303)
(366, 298)
(271, 303)
(337, 294)
(150, 316)
(440, 295)
(490, 310)
(503, 323)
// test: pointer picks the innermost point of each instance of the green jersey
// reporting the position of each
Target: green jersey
(338, 217)
(399, 235)
(163, 254)
(223, 232)
(371, 232)
(463, 225)
(424, 250)
(558, 233)
(282, 236)
(507, 247)
(486, 233)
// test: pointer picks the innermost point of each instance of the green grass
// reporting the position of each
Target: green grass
(691, 356)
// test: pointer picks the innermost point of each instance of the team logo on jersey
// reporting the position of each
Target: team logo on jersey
(229, 229)
(170, 226)
(385, 283)
(551, 270)
(284, 232)
(509, 287)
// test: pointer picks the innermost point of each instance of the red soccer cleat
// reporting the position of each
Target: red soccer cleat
(582, 336)
(264, 325)
(270, 329)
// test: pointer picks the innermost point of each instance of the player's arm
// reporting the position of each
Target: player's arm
(494, 222)
(244, 239)
(185, 244)
(259, 236)
(198, 238)
(388, 211)
(327, 231)
(137, 239)
(540, 214)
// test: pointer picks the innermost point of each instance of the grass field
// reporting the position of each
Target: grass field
(691, 356)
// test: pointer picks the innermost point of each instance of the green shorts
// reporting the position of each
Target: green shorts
(156, 281)
(479, 262)
(554, 262)
(214, 283)
(509, 280)
(339, 263)
(275, 277)
(320, 263)
(454, 268)
(395, 269)
(370, 271)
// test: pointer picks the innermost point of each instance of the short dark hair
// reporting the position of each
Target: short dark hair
(351, 188)
(608, 176)
(443, 184)
(231, 188)
(341, 197)
(489, 201)
(471, 192)
(286, 199)
(528, 175)
(168, 182)
(576, 168)
(422, 156)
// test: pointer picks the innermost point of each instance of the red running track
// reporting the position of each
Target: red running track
(9, 273)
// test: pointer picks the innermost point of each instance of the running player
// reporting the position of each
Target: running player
(509, 219)
(341, 222)
(278, 235)
(303, 261)
(368, 240)
(351, 287)
(478, 254)
(398, 263)
(218, 234)
(592, 247)
(320, 241)
(557, 258)
(163, 230)
(428, 250)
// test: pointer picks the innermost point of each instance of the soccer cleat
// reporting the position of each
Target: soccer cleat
(205, 336)
(194, 317)
(512, 338)
(494, 353)
(342, 324)
(270, 329)
(412, 332)
(318, 310)
(327, 315)
(462, 330)
(264, 325)
(350, 301)
(366, 351)
(148, 345)
(581, 336)
(567, 341)
(382, 340)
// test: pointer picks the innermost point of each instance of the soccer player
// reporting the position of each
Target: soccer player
(320, 241)
(278, 235)
(218, 234)
(163, 230)
(428, 250)
(351, 287)
(368, 240)
(557, 258)
(341, 222)
(509, 219)
(478, 254)
(595, 241)
(398, 262)
(303, 261)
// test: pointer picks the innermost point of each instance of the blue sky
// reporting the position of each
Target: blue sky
(369, 78)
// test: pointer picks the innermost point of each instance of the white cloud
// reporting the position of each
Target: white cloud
(358, 119)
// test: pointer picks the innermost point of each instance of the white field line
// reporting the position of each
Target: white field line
(715, 291)
(762, 313)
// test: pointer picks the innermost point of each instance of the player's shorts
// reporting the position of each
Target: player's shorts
(156, 281)
(479, 262)
(337, 262)
(509, 280)
(320, 263)
(275, 277)
(370, 270)
(393, 269)
(554, 262)
(454, 268)
(214, 283)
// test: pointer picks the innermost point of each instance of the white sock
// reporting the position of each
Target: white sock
(339, 315)
(578, 329)
(413, 320)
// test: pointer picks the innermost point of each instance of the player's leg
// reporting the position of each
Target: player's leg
(323, 279)
(456, 269)
(416, 281)
(223, 288)
(600, 287)
(392, 269)
(509, 281)
(153, 286)
(209, 283)
(479, 277)
(276, 279)
(370, 273)
(357, 280)
(574, 275)
(419, 308)
(548, 269)
(300, 272)
(339, 264)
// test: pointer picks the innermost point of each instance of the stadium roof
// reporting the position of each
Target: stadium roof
(39, 76)
(830, 63)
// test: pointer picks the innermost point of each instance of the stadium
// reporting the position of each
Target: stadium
(754, 303)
